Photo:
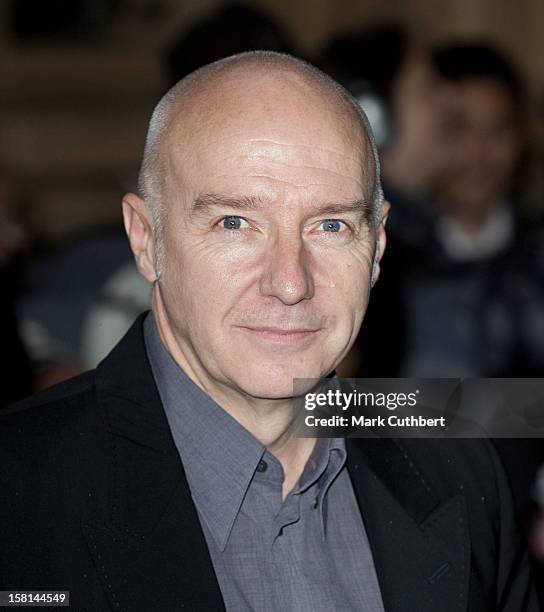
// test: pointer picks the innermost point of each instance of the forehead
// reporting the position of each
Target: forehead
(280, 130)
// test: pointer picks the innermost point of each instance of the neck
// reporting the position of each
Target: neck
(471, 218)
(271, 421)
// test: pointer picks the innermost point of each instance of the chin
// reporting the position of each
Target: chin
(275, 382)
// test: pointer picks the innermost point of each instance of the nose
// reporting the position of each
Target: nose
(287, 275)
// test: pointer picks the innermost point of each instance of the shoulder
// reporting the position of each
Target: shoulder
(69, 419)
(54, 450)
(35, 424)
(50, 398)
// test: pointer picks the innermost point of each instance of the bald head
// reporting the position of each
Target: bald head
(267, 230)
(255, 86)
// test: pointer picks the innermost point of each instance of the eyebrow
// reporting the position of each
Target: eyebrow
(243, 203)
(206, 201)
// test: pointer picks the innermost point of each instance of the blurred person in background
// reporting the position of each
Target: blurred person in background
(487, 137)
(53, 302)
(474, 304)
(463, 292)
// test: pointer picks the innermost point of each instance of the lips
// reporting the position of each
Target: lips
(281, 335)
(281, 330)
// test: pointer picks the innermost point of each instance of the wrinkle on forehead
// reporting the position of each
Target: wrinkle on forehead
(313, 147)
(269, 113)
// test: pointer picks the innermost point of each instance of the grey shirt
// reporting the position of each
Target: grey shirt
(307, 552)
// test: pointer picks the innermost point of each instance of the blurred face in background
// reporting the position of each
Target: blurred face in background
(485, 144)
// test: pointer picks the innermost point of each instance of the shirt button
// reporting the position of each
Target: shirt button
(315, 504)
(262, 466)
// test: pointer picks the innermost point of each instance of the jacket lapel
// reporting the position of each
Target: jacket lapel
(146, 539)
(421, 546)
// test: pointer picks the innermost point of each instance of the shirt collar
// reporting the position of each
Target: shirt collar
(324, 465)
(493, 237)
(220, 456)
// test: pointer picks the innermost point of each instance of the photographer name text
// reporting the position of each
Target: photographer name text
(338, 400)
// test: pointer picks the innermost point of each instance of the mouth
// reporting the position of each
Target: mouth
(281, 335)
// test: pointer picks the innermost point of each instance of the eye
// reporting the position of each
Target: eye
(332, 225)
(233, 223)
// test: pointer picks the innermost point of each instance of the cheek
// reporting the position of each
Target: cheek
(224, 271)
(202, 279)
(346, 286)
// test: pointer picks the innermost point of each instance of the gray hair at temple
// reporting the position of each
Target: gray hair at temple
(150, 179)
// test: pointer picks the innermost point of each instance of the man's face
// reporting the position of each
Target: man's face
(485, 141)
(268, 246)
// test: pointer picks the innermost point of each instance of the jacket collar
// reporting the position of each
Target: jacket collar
(148, 544)
(420, 543)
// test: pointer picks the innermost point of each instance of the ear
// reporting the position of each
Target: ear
(381, 241)
(139, 229)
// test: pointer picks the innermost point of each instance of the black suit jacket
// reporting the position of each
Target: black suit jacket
(95, 501)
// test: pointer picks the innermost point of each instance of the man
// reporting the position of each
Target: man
(487, 284)
(170, 477)
(487, 138)
(480, 280)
